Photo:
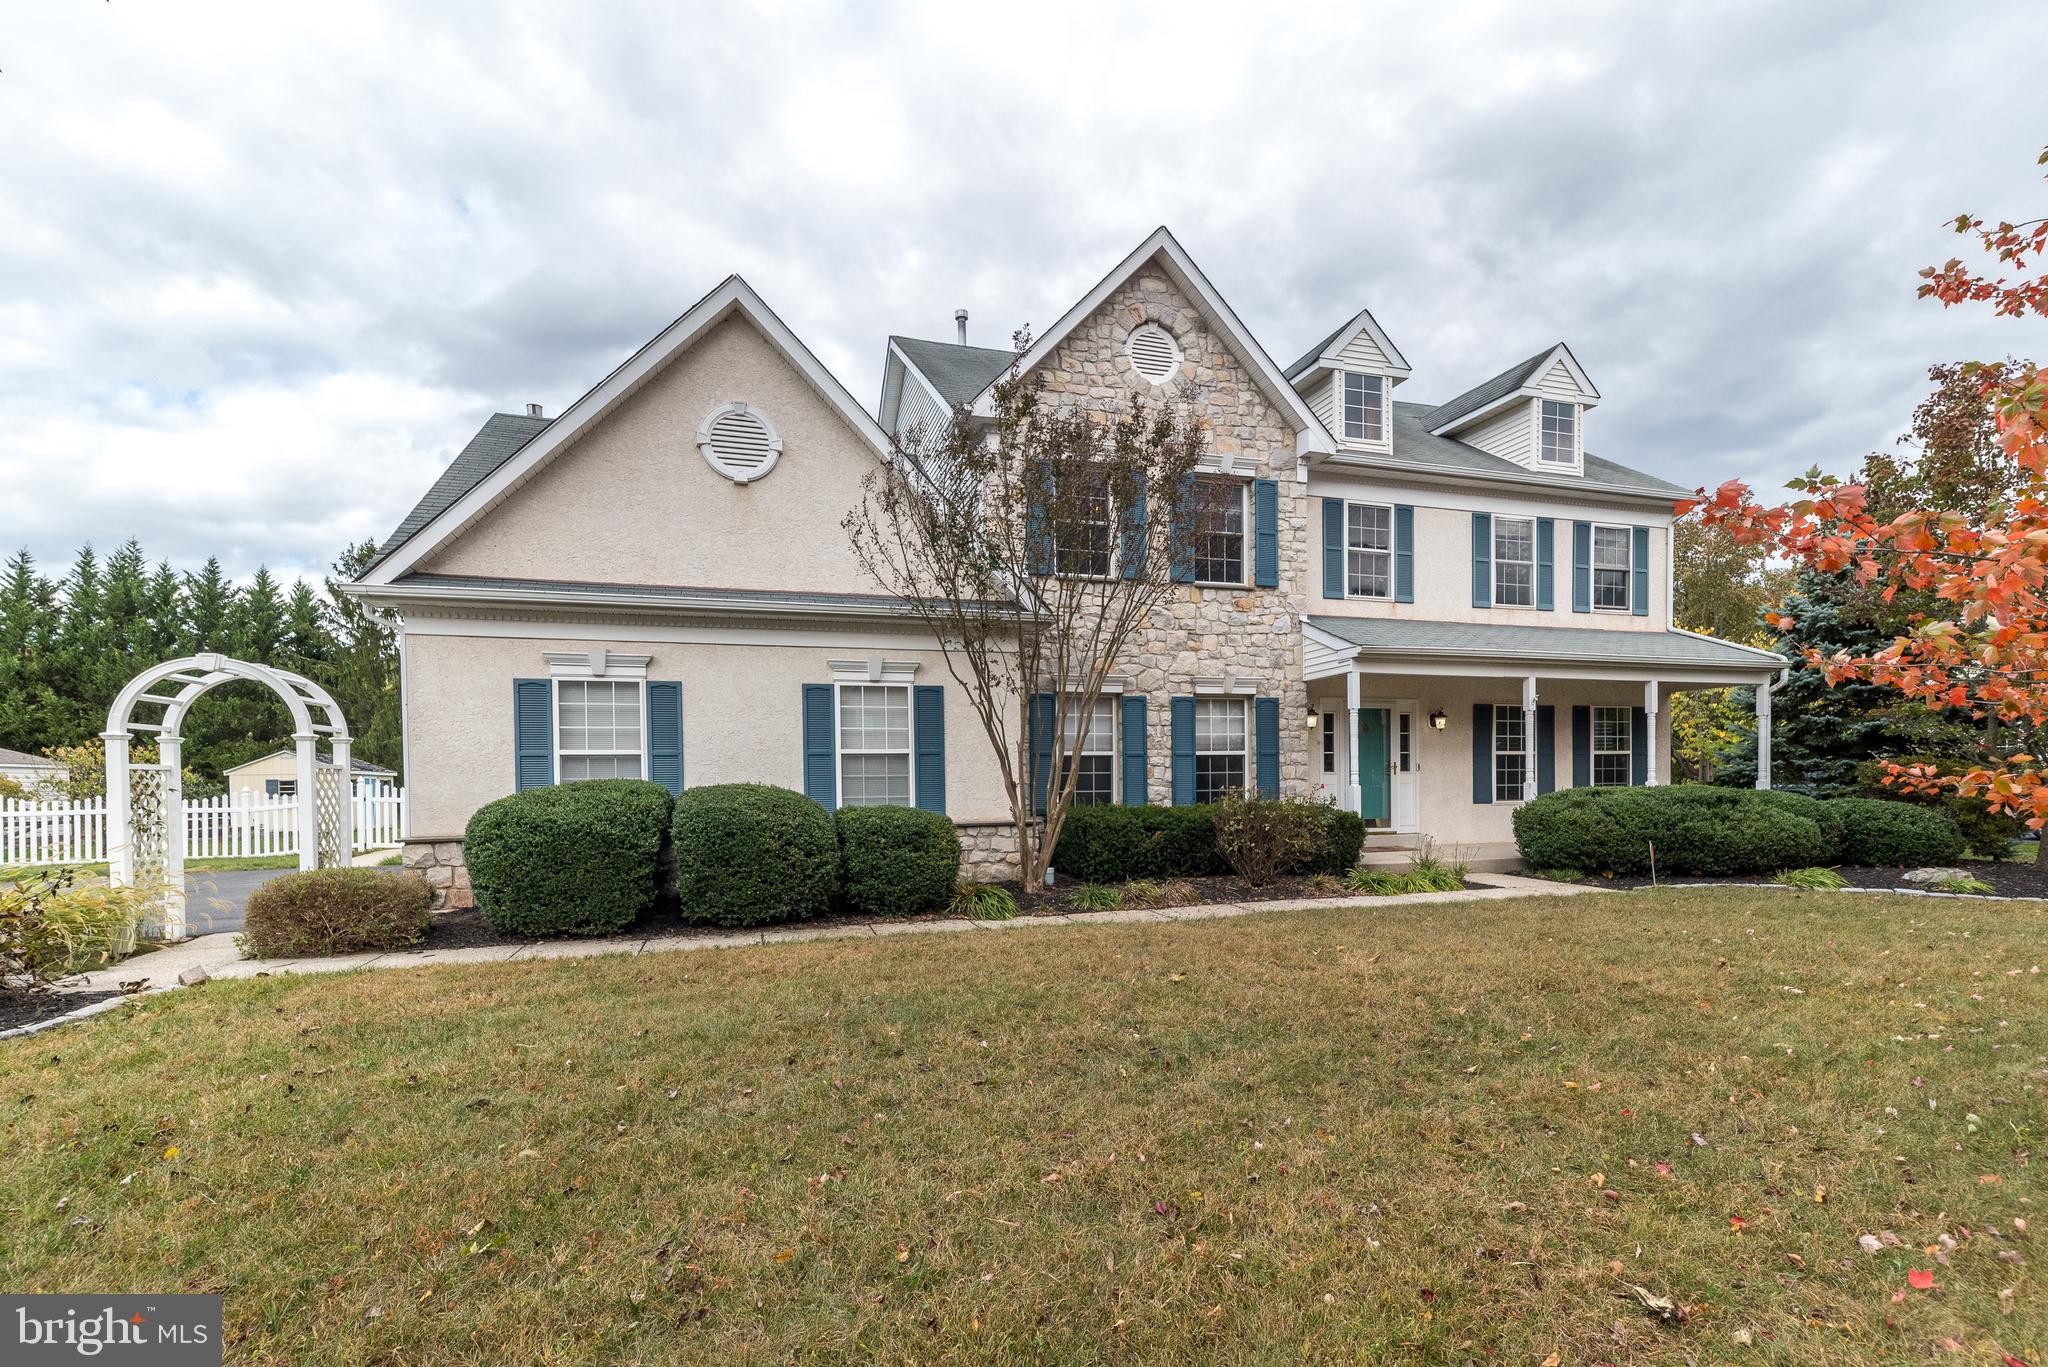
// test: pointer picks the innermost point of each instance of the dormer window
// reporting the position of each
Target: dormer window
(1365, 407)
(1560, 433)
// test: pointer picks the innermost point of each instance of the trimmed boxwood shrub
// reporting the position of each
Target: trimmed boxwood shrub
(1694, 829)
(1110, 843)
(749, 853)
(896, 861)
(1891, 834)
(335, 911)
(574, 859)
(1343, 837)
(1820, 813)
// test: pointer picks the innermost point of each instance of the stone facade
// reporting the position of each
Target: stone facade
(1204, 632)
(988, 851)
(441, 863)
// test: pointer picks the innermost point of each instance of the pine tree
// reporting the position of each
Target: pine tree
(209, 606)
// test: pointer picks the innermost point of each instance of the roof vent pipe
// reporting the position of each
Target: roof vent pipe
(960, 323)
(533, 410)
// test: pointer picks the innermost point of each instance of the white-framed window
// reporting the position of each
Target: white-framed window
(1613, 731)
(1082, 541)
(874, 745)
(1560, 433)
(1514, 562)
(1510, 754)
(1091, 750)
(1329, 742)
(1219, 518)
(1222, 741)
(1368, 550)
(598, 731)
(1365, 407)
(1611, 568)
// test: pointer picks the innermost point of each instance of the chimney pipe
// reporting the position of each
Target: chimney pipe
(960, 322)
(533, 410)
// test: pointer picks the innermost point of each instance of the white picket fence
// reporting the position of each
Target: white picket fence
(224, 827)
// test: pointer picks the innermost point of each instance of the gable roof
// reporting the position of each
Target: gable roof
(496, 442)
(1161, 246)
(355, 766)
(440, 525)
(22, 759)
(958, 373)
(1510, 382)
(1418, 449)
(1403, 636)
(1363, 321)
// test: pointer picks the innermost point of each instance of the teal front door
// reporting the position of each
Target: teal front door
(1373, 783)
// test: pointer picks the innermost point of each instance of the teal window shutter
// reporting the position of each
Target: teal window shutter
(1639, 599)
(1266, 744)
(1638, 746)
(1136, 775)
(1038, 532)
(928, 731)
(1404, 553)
(1582, 567)
(1482, 560)
(1182, 567)
(1546, 564)
(1132, 553)
(1482, 752)
(1546, 748)
(1333, 548)
(1040, 741)
(1582, 747)
(533, 734)
(821, 764)
(665, 735)
(1265, 533)
(1183, 718)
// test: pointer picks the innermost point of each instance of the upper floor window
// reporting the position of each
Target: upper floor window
(598, 728)
(1610, 568)
(1218, 506)
(1560, 433)
(1365, 413)
(1082, 537)
(1369, 550)
(1514, 562)
(1611, 740)
(874, 745)
(1221, 740)
(1091, 750)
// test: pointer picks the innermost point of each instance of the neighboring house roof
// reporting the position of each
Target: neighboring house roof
(496, 442)
(1419, 450)
(355, 766)
(958, 373)
(672, 597)
(1400, 636)
(1338, 340)
(22, 759)
(1509, 381)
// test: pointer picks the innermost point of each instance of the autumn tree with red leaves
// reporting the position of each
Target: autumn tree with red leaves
(1982, 646)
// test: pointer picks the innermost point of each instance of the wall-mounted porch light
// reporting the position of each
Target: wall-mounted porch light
(1438, 721)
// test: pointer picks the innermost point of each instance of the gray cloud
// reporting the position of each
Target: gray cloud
(268, 266)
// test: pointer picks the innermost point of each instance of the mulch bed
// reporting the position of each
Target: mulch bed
(26, 1008)
(2006, 879)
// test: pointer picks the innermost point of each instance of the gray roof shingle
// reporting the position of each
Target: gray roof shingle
(1416, 448)
(1614, 646)
(1477, 397)
(496, 442)
(957, 372)
(1309, 356)
(23, 759)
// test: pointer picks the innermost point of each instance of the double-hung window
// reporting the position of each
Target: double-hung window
(1365, 412)
(1611, 740)
(1369, 550)
(597, 728)
(1221, 739)
(1218, 506)
(1082, 533)
(1510, 754)
(1560, 433)
(874, 745)
(1611, 568)
(1514, 562)
(1090, 750)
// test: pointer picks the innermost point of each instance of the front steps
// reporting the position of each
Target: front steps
(1398, 852)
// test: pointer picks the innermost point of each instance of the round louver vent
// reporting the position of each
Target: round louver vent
(1154, 353)
(739, 443)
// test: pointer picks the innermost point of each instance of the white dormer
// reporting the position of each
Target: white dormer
(1348, 379)
(1533, 414)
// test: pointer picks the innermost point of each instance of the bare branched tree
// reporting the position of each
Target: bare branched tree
(1035, 544)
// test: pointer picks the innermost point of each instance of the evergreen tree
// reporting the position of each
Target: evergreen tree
(209, 605)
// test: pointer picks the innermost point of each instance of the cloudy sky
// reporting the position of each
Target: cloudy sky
(264, 267)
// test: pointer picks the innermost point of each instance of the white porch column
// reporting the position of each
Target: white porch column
(1763, 734)
(306, 811)
(1529, 738)
(346, 842)
(120, 802)
(1650, 778)
(171, 751)
(1356, 790)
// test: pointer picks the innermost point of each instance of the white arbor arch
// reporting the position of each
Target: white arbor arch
(145, 802)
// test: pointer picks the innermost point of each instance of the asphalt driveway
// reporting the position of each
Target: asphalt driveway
(214, 901)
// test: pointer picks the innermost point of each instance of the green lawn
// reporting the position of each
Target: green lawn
(1413, 1134)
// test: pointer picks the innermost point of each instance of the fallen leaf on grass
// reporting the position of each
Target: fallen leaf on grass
(1919, 1280)
(1869, 1243)
(1661, 1306)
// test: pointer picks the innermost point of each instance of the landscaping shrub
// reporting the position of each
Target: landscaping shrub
(573, 859)
(1096, 897)
(1896, 834)
(896, 861)
(1819, 812)
(748, 854)
(1694, 829)
(1817, 879)
(1965, 884)
(50, 925)
(1342, 837)
(1110, 843)
(983, 902)
(1986, 834)
(335, 911)
(1263, 837)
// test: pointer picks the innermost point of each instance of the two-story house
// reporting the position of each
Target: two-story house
(1409, 609)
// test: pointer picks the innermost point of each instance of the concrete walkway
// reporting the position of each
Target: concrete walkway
(219, 957)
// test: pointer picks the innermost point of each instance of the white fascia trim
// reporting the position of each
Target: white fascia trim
(1427, 473)
(1309, 434)
(1410, 657)
(874, 669)
(1776, 659)
(600, 663)
(1397, 364)
(398, 596)
(734, 295)
(1562, 352)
